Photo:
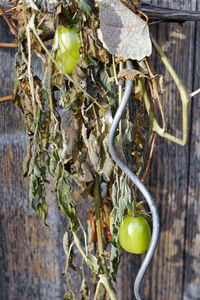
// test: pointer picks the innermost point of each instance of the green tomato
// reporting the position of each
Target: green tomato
(68, 52)
(134, 234)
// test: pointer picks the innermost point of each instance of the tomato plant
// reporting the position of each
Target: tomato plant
(68, 52)
(134, 234)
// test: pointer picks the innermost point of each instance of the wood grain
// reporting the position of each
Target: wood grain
(31, 255)
(191, 288)
(169, 178)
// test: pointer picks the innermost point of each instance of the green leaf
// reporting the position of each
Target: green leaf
(64, 193)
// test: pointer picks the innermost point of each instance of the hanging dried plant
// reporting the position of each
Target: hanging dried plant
(104, 34)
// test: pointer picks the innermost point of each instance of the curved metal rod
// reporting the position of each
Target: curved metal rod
(137, 182)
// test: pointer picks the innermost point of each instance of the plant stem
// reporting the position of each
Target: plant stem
(195, 93)
(9, 45)
(50, 88)
(6, 98)
(156, 95)
(149, 159)
(97, 290)
(80, 248)
(104, 277)
(98, 217)
(30, 76)
(184, 99)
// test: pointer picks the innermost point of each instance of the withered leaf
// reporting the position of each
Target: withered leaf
(84, 291)
(84, 5)
(37, 196)
(115, 260)
(91, 43)
(29, 3)
(64, 193)
(124, 33)
(67, 296)
(130, 74)
(94, 149)
(66, 243)
(108, 162)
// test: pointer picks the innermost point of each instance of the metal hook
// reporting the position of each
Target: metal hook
(137, 182)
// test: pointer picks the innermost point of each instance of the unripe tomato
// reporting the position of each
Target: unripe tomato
(68, 52)
(134, 234)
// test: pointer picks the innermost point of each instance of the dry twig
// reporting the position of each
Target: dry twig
(5, 98)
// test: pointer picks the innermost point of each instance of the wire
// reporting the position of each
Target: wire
(137, 182)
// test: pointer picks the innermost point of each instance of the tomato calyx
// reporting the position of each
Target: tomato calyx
(139, 210)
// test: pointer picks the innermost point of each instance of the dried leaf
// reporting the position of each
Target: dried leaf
(94, 149)
(91, 231)
(64, 193)
(91, 43)
(108, 162)
(66, 243)
(27, 158)
(160, 84)
(37, 196)
(85, 5)
(29, 4)
(130, 34)
(130, 74)
(84, 291)
(114, 260)
(67, 296)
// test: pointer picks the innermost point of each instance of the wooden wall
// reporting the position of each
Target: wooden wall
(31, 255)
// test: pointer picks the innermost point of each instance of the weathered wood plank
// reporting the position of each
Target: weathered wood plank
(168, 181)
(192, 243)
